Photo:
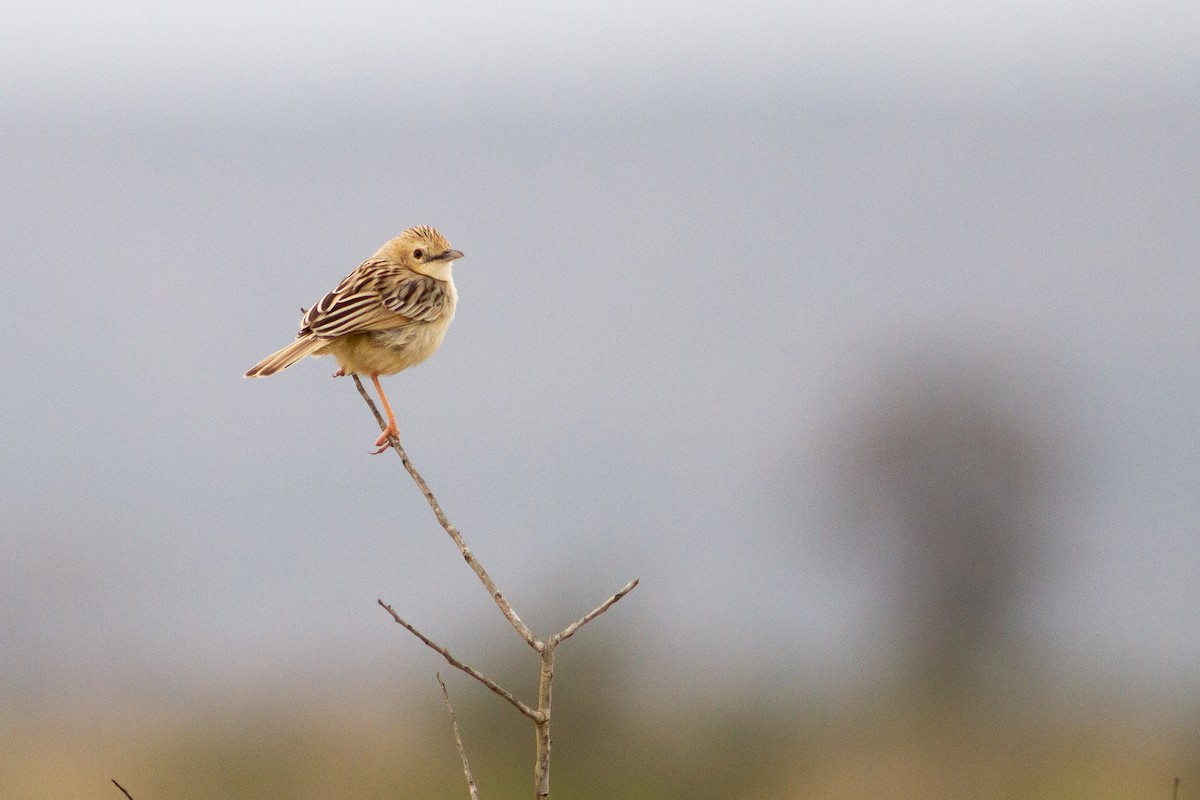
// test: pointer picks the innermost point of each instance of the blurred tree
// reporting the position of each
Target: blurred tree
(955, 474)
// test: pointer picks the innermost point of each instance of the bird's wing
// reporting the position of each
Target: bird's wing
(418, 297)
(379, 295)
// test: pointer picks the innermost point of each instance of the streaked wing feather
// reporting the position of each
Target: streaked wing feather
(353, 313)
(358, 303)
(417, 297)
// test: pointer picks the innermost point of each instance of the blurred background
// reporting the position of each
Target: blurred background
(865, 334)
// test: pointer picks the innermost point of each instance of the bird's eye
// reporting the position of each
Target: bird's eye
(418, 254)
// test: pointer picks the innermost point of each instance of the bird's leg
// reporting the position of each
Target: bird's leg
(384, 440)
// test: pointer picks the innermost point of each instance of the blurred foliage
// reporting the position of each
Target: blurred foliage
(886, 745)
(950, 467)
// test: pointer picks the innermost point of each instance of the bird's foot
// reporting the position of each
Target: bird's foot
(385, 439)
(341, 373)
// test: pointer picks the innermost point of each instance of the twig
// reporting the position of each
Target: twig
(458, 740)
(541, 733)
(1175, 791)
(540, 717)
(454, 662)
(467, 555)
(541, 766)
(127, 794)
(570, 630)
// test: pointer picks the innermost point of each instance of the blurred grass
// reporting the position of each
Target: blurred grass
(699, 749)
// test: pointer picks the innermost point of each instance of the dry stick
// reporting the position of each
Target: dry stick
(467, 555)
(454, 662)
(462, 753)
(541, 764)
(570, 630)
(545, 682)
(545, 695)
(541, 717)
(122, 788)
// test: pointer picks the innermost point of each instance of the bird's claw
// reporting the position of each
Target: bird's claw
(386, 439)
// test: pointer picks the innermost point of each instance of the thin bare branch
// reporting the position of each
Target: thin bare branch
(462, 753)
(541, 716)
(122, 788)
(1175, 789)
(454, 662)
(541, 733)
(570, 630)
(501, 602)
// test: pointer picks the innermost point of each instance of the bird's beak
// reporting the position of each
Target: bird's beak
(450, 255)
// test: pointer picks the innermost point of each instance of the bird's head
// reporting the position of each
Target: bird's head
(424, 250)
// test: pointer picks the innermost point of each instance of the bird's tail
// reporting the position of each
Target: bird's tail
(284, 358)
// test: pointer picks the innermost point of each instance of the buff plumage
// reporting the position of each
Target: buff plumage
(389, 314)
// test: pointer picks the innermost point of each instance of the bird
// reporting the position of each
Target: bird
(390, 313)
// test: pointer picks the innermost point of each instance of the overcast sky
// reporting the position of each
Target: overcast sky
(56, 51)
(696, 243)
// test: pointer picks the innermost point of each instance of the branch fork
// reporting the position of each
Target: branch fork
(540, 716)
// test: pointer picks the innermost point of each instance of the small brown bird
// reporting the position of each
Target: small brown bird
(387, 315)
